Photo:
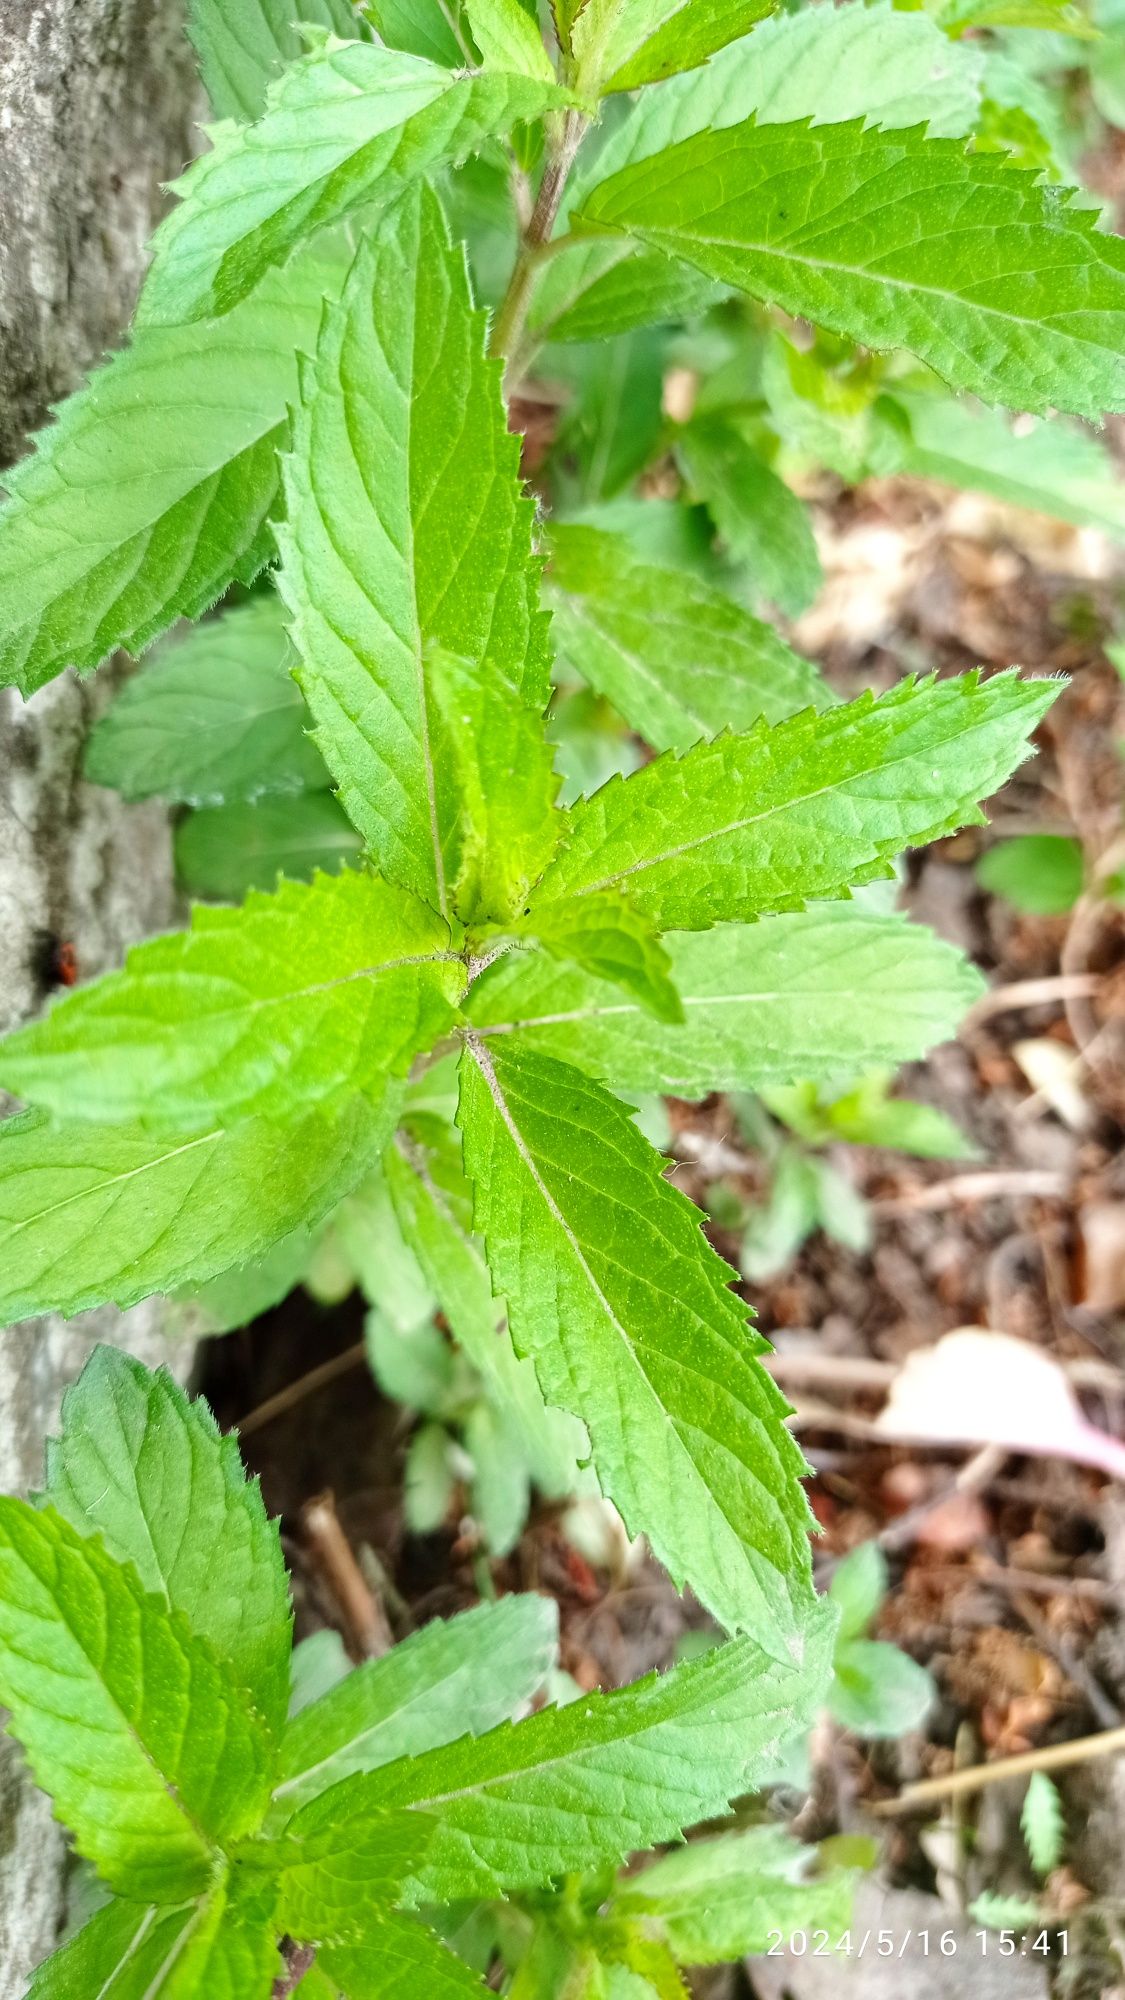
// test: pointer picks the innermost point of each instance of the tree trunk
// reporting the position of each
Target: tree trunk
(97, 103)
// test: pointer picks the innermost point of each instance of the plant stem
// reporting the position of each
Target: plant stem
(510, 319)
(971, 1778)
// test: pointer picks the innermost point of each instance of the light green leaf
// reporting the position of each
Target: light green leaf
(605, 936)
(386, 1269)
(135, 1460)
(222, 1946)
(500, 1489)
(878, 1690)
(1043, 1823)
(1005, 1913)
(508, 38)
(778, 1227)
(90, 1213)
(125, 1716)
(226, 851)
(765, 821)
(398, 1956)
(430, 28)
(347, 124)
(154, 487)
(858, 1587)
(816, 994)
(896, 240)
(1043, 873)
(678, 659)
(722, 1899)
(625, 1308)
(216, 716)
(619, 44)
(406, 536)
(468, 1674)
(433, 1202)
(1054, 468)
(610, 1773)
(341, 1862)
(498, 791)
(866, 1115)
(317, 1665)
(758, 516)
(246, 1291)
(429, 1479)
(243, 45)
(262, 1011)
(871, 62)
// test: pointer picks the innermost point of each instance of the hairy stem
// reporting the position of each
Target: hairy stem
(510, 319)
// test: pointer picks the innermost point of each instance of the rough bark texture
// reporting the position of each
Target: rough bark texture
(97, 104)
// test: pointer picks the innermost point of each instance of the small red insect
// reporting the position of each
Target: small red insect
(54, 961)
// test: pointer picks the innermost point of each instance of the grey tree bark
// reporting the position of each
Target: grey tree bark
(97, 105)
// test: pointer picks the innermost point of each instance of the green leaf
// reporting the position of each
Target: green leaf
(135, 1460)
(342, 1862)
(612, 422)
(896, 240)
(870, 62)
(500, 1489)
(347, 124)
(607, 937)
(433, 1203)
(816, 994)
(154, 487)
(1005, 1913)
(508, 38)
(1043, 1823)
(858, 1587)
(625, 1308)
(126, 1717)
(317, 1665)
(90, 1213)
(619, 44)
(759, 518)
(228, 850)
(468, 1674)
(216, 716)
(398, 1956)
(499, 767)
(242, 1294)
(766, 821)
(243, 45)
(262, 1011)
(722, 1899)
(429, 1479)
(1054, 468)
(1042, 873)
(430, 28)
(878, 1690)
(222, 1947)
(570, 1787)
(405, 537)
(867, 1116)
(777, 1228)
(678, 659)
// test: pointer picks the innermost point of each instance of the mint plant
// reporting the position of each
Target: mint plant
(147, 1675)
(314, 397)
